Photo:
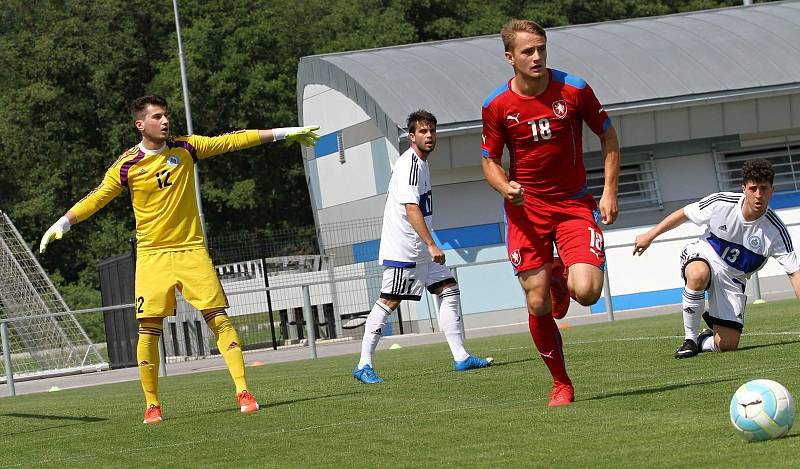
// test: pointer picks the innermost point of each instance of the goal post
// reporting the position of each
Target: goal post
(44, 338)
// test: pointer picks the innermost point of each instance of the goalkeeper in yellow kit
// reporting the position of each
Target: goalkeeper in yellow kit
(171, 251)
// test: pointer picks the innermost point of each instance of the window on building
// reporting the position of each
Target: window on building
(638, 181)
(785, 159)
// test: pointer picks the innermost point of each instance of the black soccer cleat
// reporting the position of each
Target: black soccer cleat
(687, 350)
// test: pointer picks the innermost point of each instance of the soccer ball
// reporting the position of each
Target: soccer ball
(762, 409)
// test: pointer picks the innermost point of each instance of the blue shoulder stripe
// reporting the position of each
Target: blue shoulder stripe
(500, 90)
(571, 80)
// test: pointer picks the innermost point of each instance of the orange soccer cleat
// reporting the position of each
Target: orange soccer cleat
(559, 293)
(152, 414)
(561, 395)
(247, 403)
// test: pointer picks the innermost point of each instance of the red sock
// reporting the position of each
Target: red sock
(547, 338)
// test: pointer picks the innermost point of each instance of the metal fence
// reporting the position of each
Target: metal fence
(271, 309)
(264, 243)
(14, 357)
(310, 298)
(268, 303)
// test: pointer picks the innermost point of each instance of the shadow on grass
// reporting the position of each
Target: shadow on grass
(658, 389)
(773, 344)
(73, 421)
(268, 405)
(510, 362)
(304, 399)
(447, 370)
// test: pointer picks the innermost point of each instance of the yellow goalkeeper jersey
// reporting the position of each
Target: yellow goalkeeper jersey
(162, 188)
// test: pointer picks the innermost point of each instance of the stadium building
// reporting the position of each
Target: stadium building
(691, 95)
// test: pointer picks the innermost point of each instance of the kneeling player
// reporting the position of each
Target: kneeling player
(411, 258)
(741, 234)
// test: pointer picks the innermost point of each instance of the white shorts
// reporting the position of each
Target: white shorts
(406, 283)
(726, 298)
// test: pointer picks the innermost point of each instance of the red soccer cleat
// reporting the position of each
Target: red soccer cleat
(152, 414)
(561, 395)
(247, 403)
(559, 293)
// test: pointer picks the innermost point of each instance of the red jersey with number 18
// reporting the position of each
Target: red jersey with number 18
(543, 134)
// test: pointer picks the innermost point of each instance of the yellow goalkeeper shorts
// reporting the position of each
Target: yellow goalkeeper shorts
(191, 272)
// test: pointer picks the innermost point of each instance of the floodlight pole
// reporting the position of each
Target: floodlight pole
(188, 108)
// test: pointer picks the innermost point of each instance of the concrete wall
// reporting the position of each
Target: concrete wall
(468, 216)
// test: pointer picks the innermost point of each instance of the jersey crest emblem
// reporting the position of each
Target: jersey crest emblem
(173, 161)
(754, 242)
(560, 108)
(515, 257)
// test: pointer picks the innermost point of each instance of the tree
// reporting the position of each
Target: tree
(71, 69)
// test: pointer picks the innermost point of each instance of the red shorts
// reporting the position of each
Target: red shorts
(533, 228)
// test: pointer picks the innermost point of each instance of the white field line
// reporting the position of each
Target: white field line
(696, 380)
(648, 338)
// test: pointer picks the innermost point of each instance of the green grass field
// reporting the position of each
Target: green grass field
(636, 406)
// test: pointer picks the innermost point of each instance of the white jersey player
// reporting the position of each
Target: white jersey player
(401, 245)
(741, 234)
(411, 258)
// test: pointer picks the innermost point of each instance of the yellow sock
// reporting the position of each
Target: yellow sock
(228, 344)
(148, 358)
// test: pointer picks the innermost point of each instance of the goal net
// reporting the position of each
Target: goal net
(39, 345)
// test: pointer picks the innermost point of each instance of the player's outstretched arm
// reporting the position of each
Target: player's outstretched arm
(643, 241)
(57, 230)
(305, 136)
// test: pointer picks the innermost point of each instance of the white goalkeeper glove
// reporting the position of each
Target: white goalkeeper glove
(302, 135)
(54, 232)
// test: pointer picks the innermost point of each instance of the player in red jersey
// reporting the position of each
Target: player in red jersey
(539, 114)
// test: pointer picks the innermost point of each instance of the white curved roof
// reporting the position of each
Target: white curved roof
(628, 63)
